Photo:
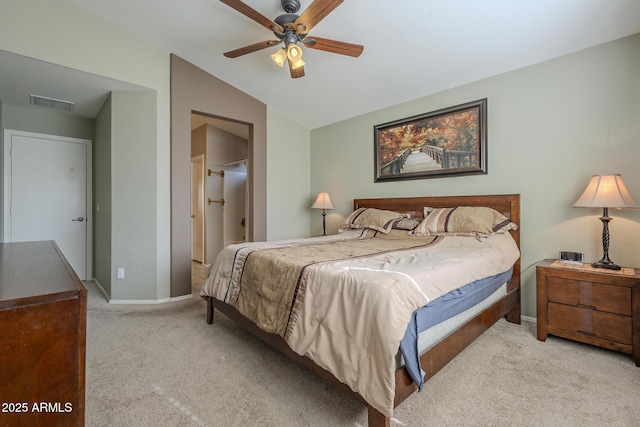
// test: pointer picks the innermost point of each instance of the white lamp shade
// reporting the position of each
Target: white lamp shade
(294, 53)
(297, 64)
(606, 191)
(279, 57)
(323, 201)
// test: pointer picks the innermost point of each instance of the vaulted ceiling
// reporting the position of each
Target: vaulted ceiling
(412, 48)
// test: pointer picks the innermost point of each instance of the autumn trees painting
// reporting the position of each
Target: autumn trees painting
(443, 142)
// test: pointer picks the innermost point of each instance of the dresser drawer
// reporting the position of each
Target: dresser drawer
(606, 326)
(599, 296)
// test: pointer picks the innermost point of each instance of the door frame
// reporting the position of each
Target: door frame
(6, 199)
(202, 206)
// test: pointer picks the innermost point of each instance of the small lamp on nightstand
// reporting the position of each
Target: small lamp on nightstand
(606, 191)
(323, 201)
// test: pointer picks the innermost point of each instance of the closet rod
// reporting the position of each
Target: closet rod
(209, 172)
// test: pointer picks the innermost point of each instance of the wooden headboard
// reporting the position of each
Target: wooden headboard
(507, 204)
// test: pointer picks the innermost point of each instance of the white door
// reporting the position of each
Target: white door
(197, 208)
(47, 193)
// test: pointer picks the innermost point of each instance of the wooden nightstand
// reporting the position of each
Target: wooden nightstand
(589, 305)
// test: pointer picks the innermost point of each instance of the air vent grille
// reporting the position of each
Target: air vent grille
(56, 104)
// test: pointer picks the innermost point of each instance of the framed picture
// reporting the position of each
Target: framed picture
(447, 142)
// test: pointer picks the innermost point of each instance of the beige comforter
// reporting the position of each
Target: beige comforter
(345, 301)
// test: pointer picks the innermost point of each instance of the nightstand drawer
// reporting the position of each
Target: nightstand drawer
(599, 296)
(607, 326)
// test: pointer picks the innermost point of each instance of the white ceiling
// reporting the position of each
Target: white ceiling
(21, 77)
(412, 48)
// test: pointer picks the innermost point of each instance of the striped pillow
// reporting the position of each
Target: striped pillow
(374, 219)
(479, 222)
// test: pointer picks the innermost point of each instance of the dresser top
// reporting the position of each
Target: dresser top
(35, 271)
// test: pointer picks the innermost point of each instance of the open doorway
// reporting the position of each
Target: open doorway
(219, 196)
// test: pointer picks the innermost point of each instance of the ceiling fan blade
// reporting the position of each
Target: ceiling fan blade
(252, 13)
(296, 72)
(334, 46)
(251, 48)
(314, 14)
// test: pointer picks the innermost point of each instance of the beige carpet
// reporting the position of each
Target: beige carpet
(162, 365)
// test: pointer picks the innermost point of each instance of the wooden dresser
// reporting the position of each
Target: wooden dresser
(592, 306)
(43, 311)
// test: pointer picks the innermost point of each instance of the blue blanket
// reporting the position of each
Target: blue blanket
(441, 309)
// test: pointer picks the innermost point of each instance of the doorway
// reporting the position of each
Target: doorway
(47, 194)
(223, 147)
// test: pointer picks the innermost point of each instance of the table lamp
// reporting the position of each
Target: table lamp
(606, 191)
(323, 201)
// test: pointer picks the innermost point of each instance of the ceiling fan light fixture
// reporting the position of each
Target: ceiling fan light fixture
(290, 29)
(294, 52)
(279, 57)
(297, 64)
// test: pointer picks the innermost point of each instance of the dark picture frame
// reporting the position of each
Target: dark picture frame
(447, 142)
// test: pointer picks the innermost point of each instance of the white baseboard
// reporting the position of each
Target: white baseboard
(529, 319)
(100, 288)
(138, 301)
(150, 301)
(181, 298)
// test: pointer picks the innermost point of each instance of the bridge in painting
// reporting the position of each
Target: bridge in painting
(428, 158)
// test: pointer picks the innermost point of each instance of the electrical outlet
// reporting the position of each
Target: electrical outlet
(571, 256)
(120, 274)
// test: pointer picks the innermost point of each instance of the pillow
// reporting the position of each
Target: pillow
(375, 219)
(478, 222)
(407, 224)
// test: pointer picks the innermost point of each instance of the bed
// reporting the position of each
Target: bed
(308, 336)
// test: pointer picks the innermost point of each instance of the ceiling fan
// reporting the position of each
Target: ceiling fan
(290, 29)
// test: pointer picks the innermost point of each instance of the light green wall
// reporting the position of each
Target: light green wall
(51, 122)
(288, 165)
(1, 177)
(63, 33)
(102, 198)
(133, 206)
(550, 127)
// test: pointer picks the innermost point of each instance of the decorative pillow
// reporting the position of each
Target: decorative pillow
(375, 219)
(407, 224)
(478, 222)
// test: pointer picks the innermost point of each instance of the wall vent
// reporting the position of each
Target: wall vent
(56, 104)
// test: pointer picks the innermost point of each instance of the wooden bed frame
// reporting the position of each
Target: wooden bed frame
(441, 354)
